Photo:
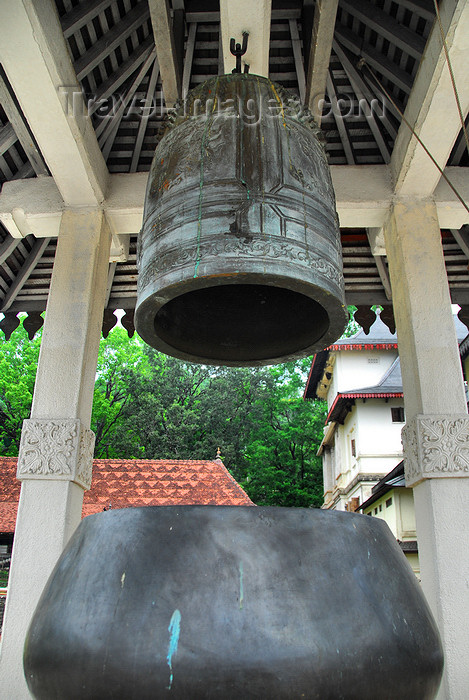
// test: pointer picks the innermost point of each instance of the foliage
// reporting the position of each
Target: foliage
(352, 326)
(118, 359)
(18, 362)
(148, 405)
(283, 468)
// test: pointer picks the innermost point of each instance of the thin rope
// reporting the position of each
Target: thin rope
(362, 63)
(450, 68)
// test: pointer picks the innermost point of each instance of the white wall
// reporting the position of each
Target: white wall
(377, 436)
(358, 369)
(378, 449)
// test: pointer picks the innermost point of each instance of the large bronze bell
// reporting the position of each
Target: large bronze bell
(239, 255)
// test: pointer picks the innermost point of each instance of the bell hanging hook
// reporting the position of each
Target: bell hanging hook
(238, 51)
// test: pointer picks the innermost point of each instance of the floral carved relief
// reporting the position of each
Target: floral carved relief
(411, 456)
(85, 458)
(436, 446)
(56, 449)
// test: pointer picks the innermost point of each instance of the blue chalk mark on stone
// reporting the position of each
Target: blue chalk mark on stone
(174, 630)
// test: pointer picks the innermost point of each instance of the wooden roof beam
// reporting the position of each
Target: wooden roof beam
(62, 131)
(145, 116)
(22, 132)
(252, 16)
(322, 35)
(110, 41)
(386, 26)
(431, 108)
(81, 15)
(188, 58)
(362, 94)
(363, 194)
(461, 236)
(166, 50)
(7, 138)
(20, 280)
(7, 247)
(381, 63)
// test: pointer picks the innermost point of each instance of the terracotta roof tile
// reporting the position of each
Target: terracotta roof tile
(131, 483)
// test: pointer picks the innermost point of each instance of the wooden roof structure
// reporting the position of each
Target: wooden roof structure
(80, 128)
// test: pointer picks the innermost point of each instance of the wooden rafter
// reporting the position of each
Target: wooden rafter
(149, 103)
(460, 148)
(28, 266)
(319, 54)
(300, 69)
(339, 120)
(166, 50)
(190, 46)
(7, 247)
(7, 138)
(384, 275)
(431, 109)
(390, 70)
(461, 236)
(384, 25)
(110, 279)
(81, 15)
(125, 70)
(111, 40)
(420, 7)
(20, 128)
(360, 93)
(68, 144)
(107, 129)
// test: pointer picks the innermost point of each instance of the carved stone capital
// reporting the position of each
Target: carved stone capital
(436, 446)
(61, 450)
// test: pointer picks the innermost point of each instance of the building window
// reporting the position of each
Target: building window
(397, 414)
(352, 445)
(389, 502)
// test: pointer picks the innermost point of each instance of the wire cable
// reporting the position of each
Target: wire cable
(363, 64)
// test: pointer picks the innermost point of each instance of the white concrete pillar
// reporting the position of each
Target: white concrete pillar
(56, 450)
(436, 435)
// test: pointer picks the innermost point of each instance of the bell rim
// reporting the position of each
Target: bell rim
(149, 306)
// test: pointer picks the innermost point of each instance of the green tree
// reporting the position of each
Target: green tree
(18, 365)
(283, 468)
(119, 359)
(149, 405)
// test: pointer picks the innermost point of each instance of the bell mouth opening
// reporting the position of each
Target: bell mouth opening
(241, 324)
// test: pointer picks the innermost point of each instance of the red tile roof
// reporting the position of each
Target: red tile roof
(127, 483)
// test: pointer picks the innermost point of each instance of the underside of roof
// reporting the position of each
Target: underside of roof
(377, 45)
(394, 479)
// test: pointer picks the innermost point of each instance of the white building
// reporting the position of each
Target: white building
(360, 377)
(393, 502)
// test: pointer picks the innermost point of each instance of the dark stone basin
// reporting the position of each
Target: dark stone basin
(232, 603)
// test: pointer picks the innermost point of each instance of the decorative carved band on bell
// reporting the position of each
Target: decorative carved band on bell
(239, 256)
